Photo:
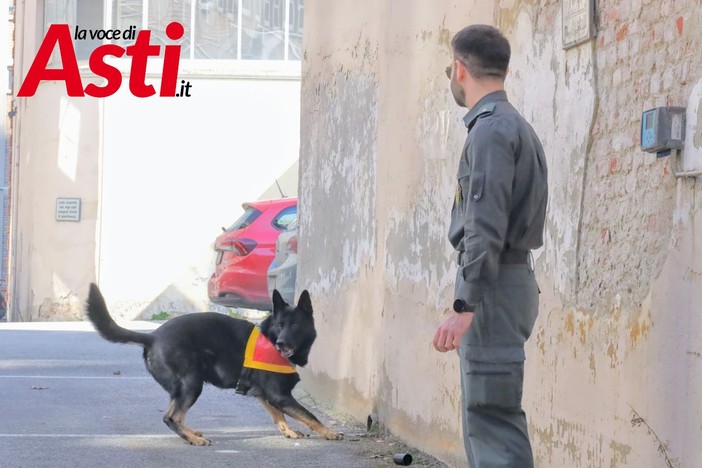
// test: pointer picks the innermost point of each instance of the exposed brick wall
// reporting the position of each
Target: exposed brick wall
(619, 272)
(645, 57)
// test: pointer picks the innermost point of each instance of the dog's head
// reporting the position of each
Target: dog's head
(291, 328)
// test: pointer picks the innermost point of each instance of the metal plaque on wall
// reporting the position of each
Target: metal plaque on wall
(578, 22)
(68, 209)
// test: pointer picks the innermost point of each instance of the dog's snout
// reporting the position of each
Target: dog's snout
(281, 343)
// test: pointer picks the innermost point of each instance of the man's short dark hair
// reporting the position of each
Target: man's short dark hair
(483, 50)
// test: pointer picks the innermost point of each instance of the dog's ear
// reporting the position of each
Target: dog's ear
(304, 303)
(278, 301)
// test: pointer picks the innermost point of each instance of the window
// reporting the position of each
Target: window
(163, 12)
(86, 14)
(263, 29)
(284, 218)
(214, 29)
(295, 21)
(249, 216)
(292, 226)
(127, 13)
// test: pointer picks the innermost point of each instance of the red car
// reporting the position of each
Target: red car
(244, 252)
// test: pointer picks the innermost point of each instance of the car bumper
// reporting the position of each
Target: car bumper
(233, 290)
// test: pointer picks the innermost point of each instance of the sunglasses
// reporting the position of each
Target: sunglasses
(449, 69)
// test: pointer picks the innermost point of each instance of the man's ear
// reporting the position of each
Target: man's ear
(278, 302)
(459, 69)
(304, 303)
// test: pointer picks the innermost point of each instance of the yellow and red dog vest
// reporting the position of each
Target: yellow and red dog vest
(261, 354)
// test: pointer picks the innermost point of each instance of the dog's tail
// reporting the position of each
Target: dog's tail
(108, 329)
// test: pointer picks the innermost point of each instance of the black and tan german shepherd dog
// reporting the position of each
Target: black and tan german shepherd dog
(193, 349)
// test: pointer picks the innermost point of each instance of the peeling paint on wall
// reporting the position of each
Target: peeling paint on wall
(560, 109)
(341, 173)
(619, 272)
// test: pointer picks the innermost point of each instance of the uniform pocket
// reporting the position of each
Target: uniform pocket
(496, 385)
(516, 306)
(477, 182)
(462, 189)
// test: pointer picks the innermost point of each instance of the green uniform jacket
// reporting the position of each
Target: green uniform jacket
(500, 200)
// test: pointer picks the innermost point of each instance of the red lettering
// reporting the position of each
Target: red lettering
(57, 34)
(140, 53)
(171, 58)
(60, 35)
(100, 68)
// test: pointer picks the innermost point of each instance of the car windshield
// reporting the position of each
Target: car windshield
(249, 216)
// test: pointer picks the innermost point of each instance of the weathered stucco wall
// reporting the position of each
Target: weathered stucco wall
(54, 260)
(614, 349)
(379, 132)
(50, 262)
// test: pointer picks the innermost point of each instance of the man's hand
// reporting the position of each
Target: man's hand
(448, 335)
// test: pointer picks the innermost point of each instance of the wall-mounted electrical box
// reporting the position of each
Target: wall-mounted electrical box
(663, 129)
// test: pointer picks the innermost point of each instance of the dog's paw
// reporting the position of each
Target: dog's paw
(200, 441)
(292, 434)
(331, 435)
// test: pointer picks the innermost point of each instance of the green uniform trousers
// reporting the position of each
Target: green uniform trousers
(492, 372)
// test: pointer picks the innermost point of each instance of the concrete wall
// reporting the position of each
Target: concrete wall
(613, 369)
(158, 178)
(380, 143)
(617, 331)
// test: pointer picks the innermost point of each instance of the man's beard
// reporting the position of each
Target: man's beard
(458, 94)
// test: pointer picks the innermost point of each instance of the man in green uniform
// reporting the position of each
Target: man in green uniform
(497, 219)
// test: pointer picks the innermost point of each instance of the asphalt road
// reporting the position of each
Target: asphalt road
(68, 398)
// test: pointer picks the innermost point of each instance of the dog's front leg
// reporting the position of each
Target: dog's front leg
(279, 420)
(292, 408)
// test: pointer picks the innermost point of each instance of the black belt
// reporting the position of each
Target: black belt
(514, 257)
(508, 257)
